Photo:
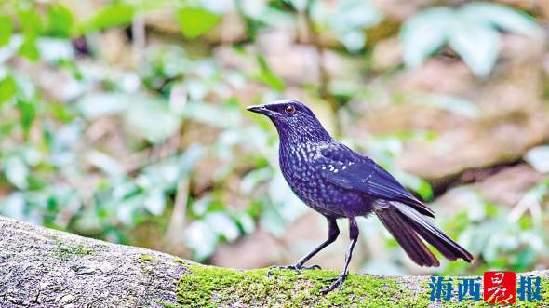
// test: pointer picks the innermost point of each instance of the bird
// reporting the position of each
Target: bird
(340, 183)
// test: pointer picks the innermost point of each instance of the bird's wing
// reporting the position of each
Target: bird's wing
(352, 171)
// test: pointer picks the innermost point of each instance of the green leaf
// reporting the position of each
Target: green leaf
(100, 104)
(245, 222)
(16, 171)
(424, 34)
(195, 21)
(358, 14)
(27, 113)
(506, 18)
(524, 259)
(254, 178)
(209, 114)
(8, 88)
(151, 119)
(155, 202)
(60, 112)
(472, 31)
(31, 25)
(201, 239)
(299, 5)
(105, 163)
(109, 16)
(13, 206)
(28, 48)
(353, 40)
(60, 21)
(5, 30)
(221, 224)
(347, 19)
(55, 49)
(272, 221)
(268, 77)
(477, 45)
(31, 22)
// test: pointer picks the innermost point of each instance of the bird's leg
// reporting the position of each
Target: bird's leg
(353, 234)
(333, 233)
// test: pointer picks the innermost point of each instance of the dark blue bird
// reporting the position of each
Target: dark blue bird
(339, 183)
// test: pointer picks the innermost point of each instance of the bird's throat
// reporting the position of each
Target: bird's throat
(291, 135)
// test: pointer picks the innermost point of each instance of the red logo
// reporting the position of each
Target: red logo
(500, 287)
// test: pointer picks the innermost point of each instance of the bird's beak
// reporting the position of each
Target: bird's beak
(259, 109)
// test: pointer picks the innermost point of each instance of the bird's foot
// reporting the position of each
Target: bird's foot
(294, 267)
(337, 282)
(298, 267)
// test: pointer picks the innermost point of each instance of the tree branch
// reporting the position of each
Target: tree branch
(40, 267)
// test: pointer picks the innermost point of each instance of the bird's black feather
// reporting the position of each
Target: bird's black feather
(407, 237)
(357, 172)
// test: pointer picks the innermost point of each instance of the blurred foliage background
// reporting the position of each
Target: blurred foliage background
(125, 121)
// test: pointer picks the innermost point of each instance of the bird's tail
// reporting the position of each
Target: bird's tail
(408, 226)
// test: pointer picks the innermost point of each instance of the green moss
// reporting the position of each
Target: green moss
(145, 258)
(208, 286)
(65, 252)
(168, 305)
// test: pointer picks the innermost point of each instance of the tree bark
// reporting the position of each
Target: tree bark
(40, 267)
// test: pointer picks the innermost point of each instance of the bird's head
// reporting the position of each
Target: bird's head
(293, 120)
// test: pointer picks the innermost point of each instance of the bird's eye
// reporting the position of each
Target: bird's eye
(290, 109)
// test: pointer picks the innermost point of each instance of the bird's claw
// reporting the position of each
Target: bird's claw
(294, 267)
(305, 267)
(337, 282)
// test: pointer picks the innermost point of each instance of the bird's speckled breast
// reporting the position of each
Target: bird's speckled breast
(300, 166)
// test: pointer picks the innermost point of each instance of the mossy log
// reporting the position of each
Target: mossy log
(40, 267)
